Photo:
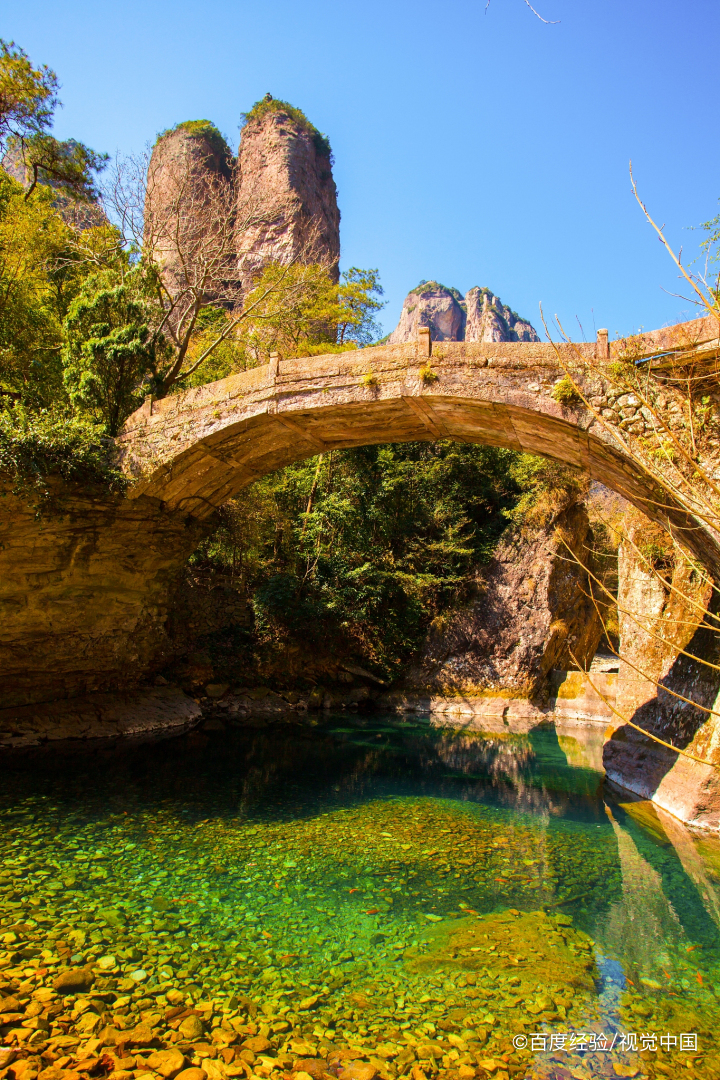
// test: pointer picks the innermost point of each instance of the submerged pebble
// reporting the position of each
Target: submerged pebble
(253, 927)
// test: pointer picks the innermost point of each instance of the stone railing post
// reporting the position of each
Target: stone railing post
(602, 348)
(146, 407)
(273, 367)
(423, 348)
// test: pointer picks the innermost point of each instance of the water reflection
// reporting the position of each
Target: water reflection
(638, 925)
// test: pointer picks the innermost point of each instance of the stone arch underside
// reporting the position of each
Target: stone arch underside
(196, 450)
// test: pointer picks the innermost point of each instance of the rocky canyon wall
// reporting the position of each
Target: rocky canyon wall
(671, 659)
(86, 580)
(530, 615)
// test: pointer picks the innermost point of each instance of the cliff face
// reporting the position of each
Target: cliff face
(479, 316)
(282, 200)
(529, 613)
(186, 164)
(286, 198)
(656, 621)
(488, 319)
(431, 305)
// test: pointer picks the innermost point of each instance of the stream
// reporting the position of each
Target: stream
(384, 889)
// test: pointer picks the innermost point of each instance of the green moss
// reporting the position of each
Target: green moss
(201, 129)
(565, 392)
(269, 105)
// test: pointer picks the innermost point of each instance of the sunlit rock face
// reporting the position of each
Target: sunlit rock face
(669, 680)
(531, 614)
(478, 316)
(286, 198)
(431, 305)
(488, 319)
(186, 166)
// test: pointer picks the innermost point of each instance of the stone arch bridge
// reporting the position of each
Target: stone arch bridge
(195, 450)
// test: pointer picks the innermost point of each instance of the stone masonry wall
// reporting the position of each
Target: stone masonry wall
(85, 586)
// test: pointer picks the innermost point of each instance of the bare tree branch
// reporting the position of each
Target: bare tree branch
(548, 22)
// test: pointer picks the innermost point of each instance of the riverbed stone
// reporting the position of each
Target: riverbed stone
(74, 980)
(193, 1073)
(191, 1027)
(168, 1063)
(358, 1070)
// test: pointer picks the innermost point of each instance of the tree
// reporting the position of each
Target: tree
(109, 348)
(359, 300)
(28, 100)
(301, 311)
(183, 221)
(28, 96)
(355, 552)
(182, 216)
(32, 238)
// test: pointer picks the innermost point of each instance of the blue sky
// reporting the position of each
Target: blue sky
(473, 147)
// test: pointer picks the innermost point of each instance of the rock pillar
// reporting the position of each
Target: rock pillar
(286, 198)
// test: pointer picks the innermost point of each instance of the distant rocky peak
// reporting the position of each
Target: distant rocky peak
(428, 286)
(478, 316)
(433, 305)
(488, 319)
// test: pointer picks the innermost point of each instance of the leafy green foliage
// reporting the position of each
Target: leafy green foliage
(35, 445)
(358, 550)
(294, 310)
(68, 167)
(108, 349)
(28, 96)
(32, 240)
(28, 99)
(547, 488)
(358, 297)
(269, 105)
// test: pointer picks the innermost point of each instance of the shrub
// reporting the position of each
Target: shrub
(427, 374)
(269, 105)
(202, 129)
(37, 445)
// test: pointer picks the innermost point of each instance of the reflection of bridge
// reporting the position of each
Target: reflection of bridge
(197, 449)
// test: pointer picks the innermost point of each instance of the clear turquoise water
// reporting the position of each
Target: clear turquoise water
(354, 861)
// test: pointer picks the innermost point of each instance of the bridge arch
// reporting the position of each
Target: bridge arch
(195, 450)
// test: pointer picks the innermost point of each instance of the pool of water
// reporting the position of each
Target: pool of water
(432, 898)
